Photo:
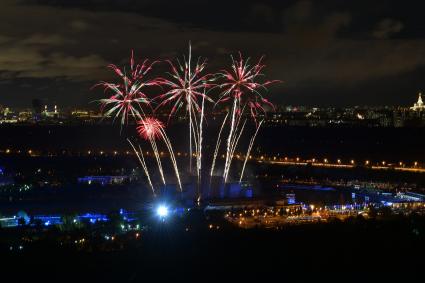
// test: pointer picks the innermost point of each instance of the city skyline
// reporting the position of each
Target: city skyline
(279, 106)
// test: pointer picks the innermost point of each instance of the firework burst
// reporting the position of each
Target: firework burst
(187, 87)
(241, 85)
(150, 128)
(128, 97)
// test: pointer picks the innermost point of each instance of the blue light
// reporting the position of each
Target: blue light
(162, 211)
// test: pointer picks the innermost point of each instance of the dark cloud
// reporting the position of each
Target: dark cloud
(387, 27)
(326, 46)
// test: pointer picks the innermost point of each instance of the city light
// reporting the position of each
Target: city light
(162, 211)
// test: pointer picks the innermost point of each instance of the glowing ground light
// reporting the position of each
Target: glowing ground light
(162, 211)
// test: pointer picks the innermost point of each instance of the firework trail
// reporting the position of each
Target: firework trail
(187, 85)
(233, 139)
(158, 159)
(251, 143)
(217, 147)
(234, 143)
(230, 139)
(172, 156)
(150, 129)
(143, 163)
(128, 97)
(240, 86)
(199, 148)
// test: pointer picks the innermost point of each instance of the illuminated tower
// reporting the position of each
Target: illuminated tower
(419, 105)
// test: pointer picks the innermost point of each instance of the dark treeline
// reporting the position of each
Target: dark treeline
(379, 250)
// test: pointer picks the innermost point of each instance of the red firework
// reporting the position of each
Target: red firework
(150, 128)
(240, 84)
(128, 96)
(137, 71)
(187, 85)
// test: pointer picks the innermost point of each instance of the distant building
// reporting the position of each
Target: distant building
(6, 222)
(8, 116)
(80, 114)
(25, 116)
(50, 114)
(218, 190)
(104, 180)
(409, 196)
(5, 180)
(290, 198)
(419, 105)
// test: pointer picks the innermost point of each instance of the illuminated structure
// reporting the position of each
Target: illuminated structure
(51, 114)
(232, 191)
(103, 180)
(25, 116)
(5, 180)
(419, 105)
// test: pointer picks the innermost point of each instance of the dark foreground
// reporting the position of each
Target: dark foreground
(356, 250)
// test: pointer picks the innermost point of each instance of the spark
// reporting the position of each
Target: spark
(240, 85)
(173, 158)
(128, 96)
(139, 155)
(199, 147)
(217, 147)
(150, 128)
(251, 143)
(187, 85)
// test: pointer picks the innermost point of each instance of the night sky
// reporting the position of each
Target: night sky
(326, 52)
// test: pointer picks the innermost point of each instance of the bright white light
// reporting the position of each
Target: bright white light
(162, 211)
